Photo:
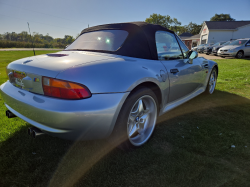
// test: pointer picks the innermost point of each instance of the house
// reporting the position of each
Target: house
(192, 41)
(185, 35)
(215, 31)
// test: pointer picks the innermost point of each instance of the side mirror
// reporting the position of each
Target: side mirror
(193, 55)
(248, 44)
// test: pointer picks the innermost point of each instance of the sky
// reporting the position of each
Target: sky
(60, 17)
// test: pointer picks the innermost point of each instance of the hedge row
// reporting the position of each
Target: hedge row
(16, 44)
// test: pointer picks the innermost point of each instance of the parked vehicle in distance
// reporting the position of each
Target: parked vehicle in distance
(216, 48)
(195, 48)
(238, 48)
(114, 79)
(201, 49)
(208, 50)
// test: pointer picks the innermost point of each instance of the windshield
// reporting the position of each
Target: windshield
(218, 43)
(227, 43)
(238, 42)
(104, 40)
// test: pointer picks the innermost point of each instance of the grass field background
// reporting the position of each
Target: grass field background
(192, 145)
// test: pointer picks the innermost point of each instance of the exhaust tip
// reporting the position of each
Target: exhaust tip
(30, 131)
(34, 132)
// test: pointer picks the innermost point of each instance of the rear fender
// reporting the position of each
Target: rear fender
(117, 75)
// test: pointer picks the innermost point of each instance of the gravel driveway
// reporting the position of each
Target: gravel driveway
(212, 57)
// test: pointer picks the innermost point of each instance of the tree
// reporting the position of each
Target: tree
(23, 39)
(193, 28)
(180, 29)
(68, 39)
(159, 19)
(175, 25)
(222, 17)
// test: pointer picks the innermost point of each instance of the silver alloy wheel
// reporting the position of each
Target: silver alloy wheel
(141, 121)
(240, 54)
(212, 82)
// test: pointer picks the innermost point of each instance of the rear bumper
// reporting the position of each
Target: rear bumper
(214, 52)
(200, 50)
(86, 119)
(208, 52)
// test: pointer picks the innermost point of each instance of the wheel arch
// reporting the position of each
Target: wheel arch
(241, 50)
(217, 69)
(154, 87)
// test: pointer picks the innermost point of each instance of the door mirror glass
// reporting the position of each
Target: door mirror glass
(193, 55)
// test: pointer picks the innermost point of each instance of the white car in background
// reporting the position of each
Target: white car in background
(238, 48)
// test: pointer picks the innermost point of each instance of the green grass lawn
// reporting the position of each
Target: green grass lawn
(191, 145)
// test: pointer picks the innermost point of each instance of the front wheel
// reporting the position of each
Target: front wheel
(137, 119)
(240, 54)
(211, 82)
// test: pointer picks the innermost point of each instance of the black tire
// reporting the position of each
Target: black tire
(240, 54)
(119, 137)
(215, 73)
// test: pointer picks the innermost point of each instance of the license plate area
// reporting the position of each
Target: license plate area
(18, 77)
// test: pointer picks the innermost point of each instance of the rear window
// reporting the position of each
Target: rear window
(103, 40)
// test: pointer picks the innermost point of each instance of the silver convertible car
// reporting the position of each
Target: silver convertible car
(113, 80)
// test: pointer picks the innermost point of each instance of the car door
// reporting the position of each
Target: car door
(247, 49)
(184, 77)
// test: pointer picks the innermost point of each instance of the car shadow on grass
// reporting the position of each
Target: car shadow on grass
(192, 146)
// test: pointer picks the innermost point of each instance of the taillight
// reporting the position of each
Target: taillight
(64, 89)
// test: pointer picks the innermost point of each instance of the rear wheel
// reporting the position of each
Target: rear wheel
(211, 82)
(240, 54)
(137, 119)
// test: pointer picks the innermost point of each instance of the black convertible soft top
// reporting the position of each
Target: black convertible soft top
(140, 42)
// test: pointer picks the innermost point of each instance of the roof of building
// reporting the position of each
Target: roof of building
(197, 36)
(185, 34)
(226, 24)
(140, 42)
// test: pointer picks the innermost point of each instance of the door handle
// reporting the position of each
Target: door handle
(174, 71)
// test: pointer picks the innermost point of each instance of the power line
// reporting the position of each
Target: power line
(40, 12)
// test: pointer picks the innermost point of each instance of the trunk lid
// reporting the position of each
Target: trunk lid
(27, 73)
